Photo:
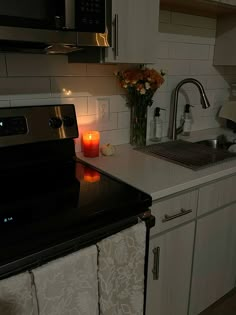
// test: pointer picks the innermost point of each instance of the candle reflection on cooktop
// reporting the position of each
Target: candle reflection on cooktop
(40, 215)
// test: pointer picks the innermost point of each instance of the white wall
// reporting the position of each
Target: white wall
(185, 50)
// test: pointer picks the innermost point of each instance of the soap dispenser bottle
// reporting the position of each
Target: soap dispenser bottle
(187, 121)
(157, 125)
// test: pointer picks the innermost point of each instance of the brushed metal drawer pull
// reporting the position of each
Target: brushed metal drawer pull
(156, 262)
(182, 212)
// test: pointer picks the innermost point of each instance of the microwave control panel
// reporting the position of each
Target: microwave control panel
(91, 16)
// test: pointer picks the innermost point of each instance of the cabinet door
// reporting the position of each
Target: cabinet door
(135, 31)
(170, 271)
(225, 46)
(216, 195)
(174, 211)
(214, 258)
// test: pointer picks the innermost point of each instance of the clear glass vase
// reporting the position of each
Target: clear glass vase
(138, 124)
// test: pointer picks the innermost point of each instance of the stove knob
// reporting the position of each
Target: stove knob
(68, 121)
(55, 122)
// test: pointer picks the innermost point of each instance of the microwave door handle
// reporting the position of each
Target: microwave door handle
(70, 14)
(116, 35)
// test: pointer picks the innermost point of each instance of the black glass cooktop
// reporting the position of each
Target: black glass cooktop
(49, 207)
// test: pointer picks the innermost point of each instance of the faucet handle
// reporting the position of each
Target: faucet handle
(188, 105)
(157, 111)
(187, 108)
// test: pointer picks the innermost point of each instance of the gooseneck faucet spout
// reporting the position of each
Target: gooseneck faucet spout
(173, 131)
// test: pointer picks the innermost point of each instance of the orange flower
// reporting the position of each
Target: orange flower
(141, 82)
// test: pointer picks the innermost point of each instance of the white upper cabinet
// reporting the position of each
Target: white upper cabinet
(225, 47)
(210, 8)
(134, 31)
(230, 2)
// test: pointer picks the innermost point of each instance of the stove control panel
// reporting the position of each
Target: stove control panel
(31, 124)
(55, 122)
(12, 126)
(68, 121)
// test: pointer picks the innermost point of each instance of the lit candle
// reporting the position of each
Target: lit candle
(91, 143)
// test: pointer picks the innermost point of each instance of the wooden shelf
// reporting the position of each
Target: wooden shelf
(198, 7)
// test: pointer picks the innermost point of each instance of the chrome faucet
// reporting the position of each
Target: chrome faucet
(173, 130)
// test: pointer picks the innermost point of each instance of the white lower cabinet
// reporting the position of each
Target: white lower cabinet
(170, 261)
(214, 266)
(191, 267)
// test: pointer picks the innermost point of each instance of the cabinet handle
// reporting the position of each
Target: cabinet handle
(156, 262)
(116, 35)
(182, 212)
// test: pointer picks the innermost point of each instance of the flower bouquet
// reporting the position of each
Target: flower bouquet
(141, 84)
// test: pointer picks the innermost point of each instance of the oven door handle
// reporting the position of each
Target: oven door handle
(148, 218)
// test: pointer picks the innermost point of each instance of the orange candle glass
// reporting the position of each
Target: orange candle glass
(91, 141)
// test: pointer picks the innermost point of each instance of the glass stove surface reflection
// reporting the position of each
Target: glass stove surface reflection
(41, 208)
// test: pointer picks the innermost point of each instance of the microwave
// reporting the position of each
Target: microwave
(57, 23)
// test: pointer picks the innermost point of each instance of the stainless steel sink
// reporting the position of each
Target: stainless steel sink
(220, 142)
(192, 155)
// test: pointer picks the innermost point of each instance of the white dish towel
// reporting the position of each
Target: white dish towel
(68, 285)
(17, 295)
(121, 272)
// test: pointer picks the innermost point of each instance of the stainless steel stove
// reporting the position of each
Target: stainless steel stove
(49, 205)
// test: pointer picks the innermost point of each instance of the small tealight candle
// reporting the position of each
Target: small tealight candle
(91, 141)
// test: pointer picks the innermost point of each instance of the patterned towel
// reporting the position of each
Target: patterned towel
(16, 296)
(121, 272)
(68, 285)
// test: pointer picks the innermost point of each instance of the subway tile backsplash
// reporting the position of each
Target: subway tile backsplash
(24, 85)
(186, 48)
(188, 51)
(193, 20)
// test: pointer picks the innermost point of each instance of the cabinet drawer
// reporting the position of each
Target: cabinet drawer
(174, 211)
(217, 195)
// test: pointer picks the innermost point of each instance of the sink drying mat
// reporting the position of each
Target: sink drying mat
(187, 154)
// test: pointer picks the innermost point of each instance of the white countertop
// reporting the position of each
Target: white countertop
(156, 176)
